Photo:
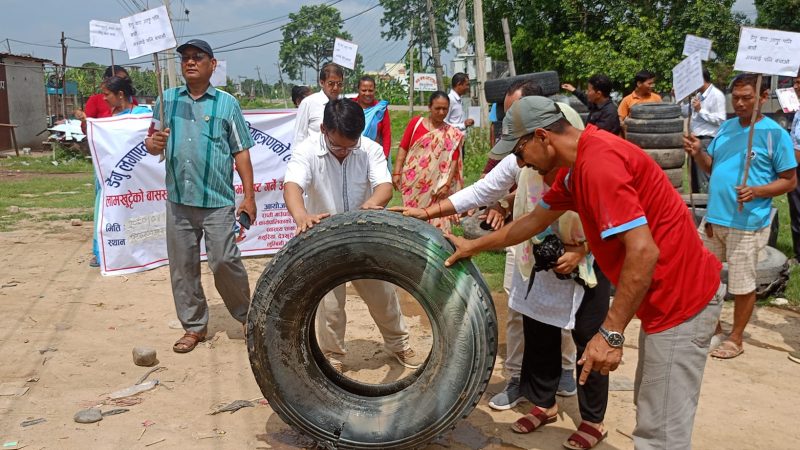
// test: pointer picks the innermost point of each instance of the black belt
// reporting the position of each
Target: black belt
(705, 137)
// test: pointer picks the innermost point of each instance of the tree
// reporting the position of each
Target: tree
(778, 14)
(88, 76)
(400, 16)
(308, 39)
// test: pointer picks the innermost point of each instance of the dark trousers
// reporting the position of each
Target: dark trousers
(541, 361)
(699, 177)
(794, 216)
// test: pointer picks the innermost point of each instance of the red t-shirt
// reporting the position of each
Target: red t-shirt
(409, 140)
(384, 130)
(97, 108)
(614, 187)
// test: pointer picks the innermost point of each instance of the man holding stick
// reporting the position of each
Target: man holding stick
(644, 240)
(205, 134)
(736, 227)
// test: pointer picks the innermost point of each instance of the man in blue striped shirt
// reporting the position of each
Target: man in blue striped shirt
(204, 134)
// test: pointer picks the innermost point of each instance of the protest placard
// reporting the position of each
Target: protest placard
(694, 44)
(220, 76)
(148, 32)
(106, 35)
(425, 82)
(788, 99)
(687, 76)
(771, 52)
(475, 114)
(344, 53)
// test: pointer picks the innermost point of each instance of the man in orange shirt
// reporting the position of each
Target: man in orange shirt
(643, 93)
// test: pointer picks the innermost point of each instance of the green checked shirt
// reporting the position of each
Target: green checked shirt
(204, 135)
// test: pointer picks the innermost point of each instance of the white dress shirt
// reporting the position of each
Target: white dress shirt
(333, 187)
(488, 189)
(707, 121)
(455, 115)
(309, 116)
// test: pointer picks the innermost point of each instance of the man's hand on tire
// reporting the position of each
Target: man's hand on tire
(463, 248)
(308, 221)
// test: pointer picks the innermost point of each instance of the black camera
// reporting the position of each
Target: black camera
(546, 256)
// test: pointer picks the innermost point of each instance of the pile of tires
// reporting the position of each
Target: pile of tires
(337, 411)
(658, 129)
(495, 90)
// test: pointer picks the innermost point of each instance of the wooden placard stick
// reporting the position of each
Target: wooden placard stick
(689, 160)
(753, 117)
(162, 120)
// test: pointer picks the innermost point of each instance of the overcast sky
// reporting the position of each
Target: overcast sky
(38, 23)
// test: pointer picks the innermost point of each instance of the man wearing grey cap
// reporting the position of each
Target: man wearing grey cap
(643, 239)
(204, 134)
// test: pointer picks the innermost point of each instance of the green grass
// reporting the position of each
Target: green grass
(44, 164)
(38, 196)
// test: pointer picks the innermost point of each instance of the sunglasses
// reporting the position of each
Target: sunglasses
(197, 57)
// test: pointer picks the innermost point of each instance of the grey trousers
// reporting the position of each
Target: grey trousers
(186, 225)
(668, 379)
(384, 307)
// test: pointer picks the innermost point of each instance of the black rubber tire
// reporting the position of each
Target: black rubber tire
(655, 111)
(668, 158)
(675, 177)
(495, 90)
(572, 101)
(472, 229)
(654, 141)
(584, 118)
(654, 126)
(336, 411)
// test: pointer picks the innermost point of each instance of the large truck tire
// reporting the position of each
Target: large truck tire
(337, 411)
(675, 177)
(495, 90)
(771, 272)
(653, 141)
(654, 126)
(668, 158)
(655, 111)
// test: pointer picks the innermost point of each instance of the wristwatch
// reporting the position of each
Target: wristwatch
(614, 338)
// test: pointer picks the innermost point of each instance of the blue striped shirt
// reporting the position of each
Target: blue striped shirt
(204, 135)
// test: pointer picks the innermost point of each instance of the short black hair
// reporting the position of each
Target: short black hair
(706, 75)
(113, 71)
(345, 117)
(458, 78)
(366, 78)
(119, 84)
(528, 88)
(750, 79)
(601, 83)
(438, 94)
(330, 69)
(299, 92)
(643, 75)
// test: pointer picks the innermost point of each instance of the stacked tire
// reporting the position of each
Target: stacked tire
(658, 129)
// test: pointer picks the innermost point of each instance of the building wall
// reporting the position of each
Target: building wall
(5, 135)
(26, 102)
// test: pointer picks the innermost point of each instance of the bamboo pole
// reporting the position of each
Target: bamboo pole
(753, 117)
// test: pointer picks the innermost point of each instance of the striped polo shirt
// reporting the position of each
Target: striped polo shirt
(204, 135)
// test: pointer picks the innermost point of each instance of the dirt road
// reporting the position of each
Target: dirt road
(66, 334)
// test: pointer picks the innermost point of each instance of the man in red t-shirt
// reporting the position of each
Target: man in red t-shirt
(644, 240)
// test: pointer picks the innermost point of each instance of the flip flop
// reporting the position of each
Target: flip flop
(532, 421)
(727, 350)
(586, 437)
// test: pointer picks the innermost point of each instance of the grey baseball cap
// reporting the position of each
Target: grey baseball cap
(525, 115)
(198, 44)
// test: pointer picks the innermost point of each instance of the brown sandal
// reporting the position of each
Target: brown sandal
(532, 421)
(188, 342)
(585, 437)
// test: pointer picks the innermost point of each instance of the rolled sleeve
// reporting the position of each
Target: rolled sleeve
(378, 169)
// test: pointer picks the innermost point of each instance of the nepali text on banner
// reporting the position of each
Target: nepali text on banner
(131, 220)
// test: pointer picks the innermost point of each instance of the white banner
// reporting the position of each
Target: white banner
(687, 76)
(425, 82)
(132, 214)
(694, 44)
(770, 52)
(106, 35)
(148, 32)
(344, 53)
(220, 75)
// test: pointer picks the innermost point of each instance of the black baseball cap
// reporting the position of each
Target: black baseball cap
(198, 44)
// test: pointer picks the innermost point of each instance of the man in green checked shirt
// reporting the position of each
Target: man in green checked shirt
(204, 134)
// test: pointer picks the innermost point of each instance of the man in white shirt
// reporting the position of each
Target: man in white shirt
(455, 116)
(708, 113)
(309, 113)
(338, 170)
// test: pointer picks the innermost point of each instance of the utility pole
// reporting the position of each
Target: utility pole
(8, 43)
(480, 57)
(462, 26)
(63, 76)
(283, 87)
(258, 71)
(509, 51)
(437, 63)
(172, 76)
(411, 70)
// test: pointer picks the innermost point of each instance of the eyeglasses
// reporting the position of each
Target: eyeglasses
(197, 57)
(520, 147)
(334, 83)
(341, 150)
